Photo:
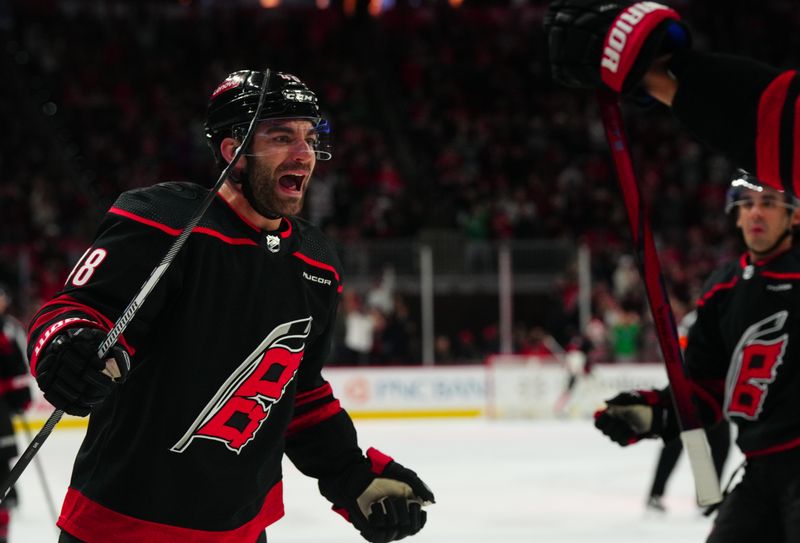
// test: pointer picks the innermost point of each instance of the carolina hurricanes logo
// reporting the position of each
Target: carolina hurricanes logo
(754, 365)
(243, 402)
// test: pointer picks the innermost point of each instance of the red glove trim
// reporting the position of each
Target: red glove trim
(378, 460)
(625, 38)
(342, 511)
(66, 304)
(52, 331)
(652, 397)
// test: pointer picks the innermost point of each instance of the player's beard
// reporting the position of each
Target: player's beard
(260, 187)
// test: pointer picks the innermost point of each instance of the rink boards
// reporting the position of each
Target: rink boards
(504, 387)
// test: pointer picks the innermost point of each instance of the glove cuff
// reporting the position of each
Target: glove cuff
(378, 460)
(634, 29)
(343, 488)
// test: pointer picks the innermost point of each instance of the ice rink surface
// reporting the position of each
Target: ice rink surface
(495, 482)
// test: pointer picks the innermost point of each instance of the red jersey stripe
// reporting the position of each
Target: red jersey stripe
(716, 288)
(780, 275)
(312, 395)
(318, 264)
(175, 232)
(775, 449)
(313, 417)
(92, 523)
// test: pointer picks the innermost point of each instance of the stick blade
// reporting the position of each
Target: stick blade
(706, 482)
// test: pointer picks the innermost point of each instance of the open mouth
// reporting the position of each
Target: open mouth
(291, 182)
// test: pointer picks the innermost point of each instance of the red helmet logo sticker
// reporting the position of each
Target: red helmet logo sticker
(230, 83)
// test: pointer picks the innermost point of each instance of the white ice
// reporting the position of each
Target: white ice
(495, 482)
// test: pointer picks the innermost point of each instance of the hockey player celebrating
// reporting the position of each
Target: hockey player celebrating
(740, 356)
(219, 372)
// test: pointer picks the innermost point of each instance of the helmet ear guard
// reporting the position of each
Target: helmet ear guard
(234, 102)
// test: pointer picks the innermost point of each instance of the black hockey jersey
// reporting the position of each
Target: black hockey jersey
(226, 359)
(743, 352)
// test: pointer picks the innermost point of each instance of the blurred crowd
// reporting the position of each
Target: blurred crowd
(443, 119)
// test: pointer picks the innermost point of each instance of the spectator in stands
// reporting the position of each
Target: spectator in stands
(361, 326)
(496, 151)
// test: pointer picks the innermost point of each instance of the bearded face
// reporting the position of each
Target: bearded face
(279, 167)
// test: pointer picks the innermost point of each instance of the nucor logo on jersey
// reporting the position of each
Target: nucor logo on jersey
(316, 279)
(623, 26)
(237, 410)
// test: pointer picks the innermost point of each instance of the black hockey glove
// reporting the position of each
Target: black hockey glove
(71, 375)
(594, 42)
(381, 498)
(631, 416)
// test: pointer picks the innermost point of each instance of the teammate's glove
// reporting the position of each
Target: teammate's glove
(594, 42)
(71, 375)
(631, 416)
(382, 499)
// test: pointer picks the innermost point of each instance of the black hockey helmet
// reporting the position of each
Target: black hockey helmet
(743, 182)
(233, 104)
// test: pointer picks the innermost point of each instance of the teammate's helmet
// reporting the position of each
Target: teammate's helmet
(233, 104)
(743, 183)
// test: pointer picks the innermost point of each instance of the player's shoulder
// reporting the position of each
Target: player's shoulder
(787, 264)
(721, 280)
(316, 245)
(723, 275)
(169, 204)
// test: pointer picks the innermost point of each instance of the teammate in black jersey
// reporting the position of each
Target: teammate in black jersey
(742, 356)
(218, 375)
(743, 361)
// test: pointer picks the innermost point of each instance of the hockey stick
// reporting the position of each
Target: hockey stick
(133, 307)
(692, 433)
(48, 496)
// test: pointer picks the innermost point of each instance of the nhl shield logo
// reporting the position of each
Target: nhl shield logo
(273, 243)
